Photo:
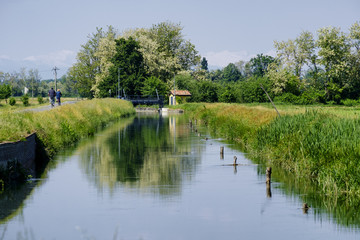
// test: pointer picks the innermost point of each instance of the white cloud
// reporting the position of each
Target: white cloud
(223, 58)
(63, 58)
(4, 57)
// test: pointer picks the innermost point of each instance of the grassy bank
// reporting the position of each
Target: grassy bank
(33, 103)
(62, 126)
(314, 144)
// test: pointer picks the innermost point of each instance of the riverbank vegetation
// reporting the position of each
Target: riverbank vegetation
(313, 143)
(32, 103)
(65, 125)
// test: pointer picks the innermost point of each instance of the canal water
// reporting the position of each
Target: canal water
(154, 177)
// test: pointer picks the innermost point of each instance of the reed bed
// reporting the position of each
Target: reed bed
(315, 144)
(231, 121)
(65, 125)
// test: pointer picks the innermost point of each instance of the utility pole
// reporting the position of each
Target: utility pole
(55, 73)
(174, 91)
(119, 91)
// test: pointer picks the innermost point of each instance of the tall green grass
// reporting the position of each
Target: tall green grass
(231, 121)
(317, 145)
(63, 126)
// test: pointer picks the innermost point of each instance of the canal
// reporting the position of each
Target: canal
(155, 177)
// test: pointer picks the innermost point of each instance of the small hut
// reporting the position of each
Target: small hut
(180, 94)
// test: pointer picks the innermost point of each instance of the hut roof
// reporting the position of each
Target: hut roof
(180, 92)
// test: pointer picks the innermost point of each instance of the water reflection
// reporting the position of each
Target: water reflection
(160, 157)
(11, 201)
(14, 195)
(150, 154)
(343, 211)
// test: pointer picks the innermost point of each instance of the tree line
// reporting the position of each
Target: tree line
(308, 69)
(14, 84)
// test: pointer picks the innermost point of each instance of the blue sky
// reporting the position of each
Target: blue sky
(43, 33)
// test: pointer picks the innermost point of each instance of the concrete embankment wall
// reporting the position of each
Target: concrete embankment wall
(22, 151)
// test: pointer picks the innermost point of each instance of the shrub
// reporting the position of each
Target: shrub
(349, 102)
(310, 97)
(40, 100)
(250, 90)
(12, 101)
(25, 100)
(287, 98)
(227, 95)
(179, 100)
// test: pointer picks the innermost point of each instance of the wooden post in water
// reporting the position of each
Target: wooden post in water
(221, 152)
(268, 190)
(305, 208)
(268, 175)
(268, 182)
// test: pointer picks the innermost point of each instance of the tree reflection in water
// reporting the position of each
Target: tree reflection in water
(152, 153)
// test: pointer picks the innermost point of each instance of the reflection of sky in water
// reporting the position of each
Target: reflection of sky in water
(181, 191)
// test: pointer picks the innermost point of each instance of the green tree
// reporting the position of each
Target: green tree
(283, 80)
(171, 41)
(307, 50)
(259, 64)
(204, 64)
(250, 90)
(227, 94)
(33, 82)
(231, 73)
(159, 63)
(5, 91)
(128, 67)
(289, 54)
(353, 91)
(83, 72)
(216, 75)
(334, 51)
(105, 53)
(153, 84)
(165, 50)
(208, 91)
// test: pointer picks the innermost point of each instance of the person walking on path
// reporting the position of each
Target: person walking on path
(58, 96)
(52, 96)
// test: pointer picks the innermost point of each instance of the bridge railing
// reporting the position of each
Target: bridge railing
(137, 97)
(146, 100)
